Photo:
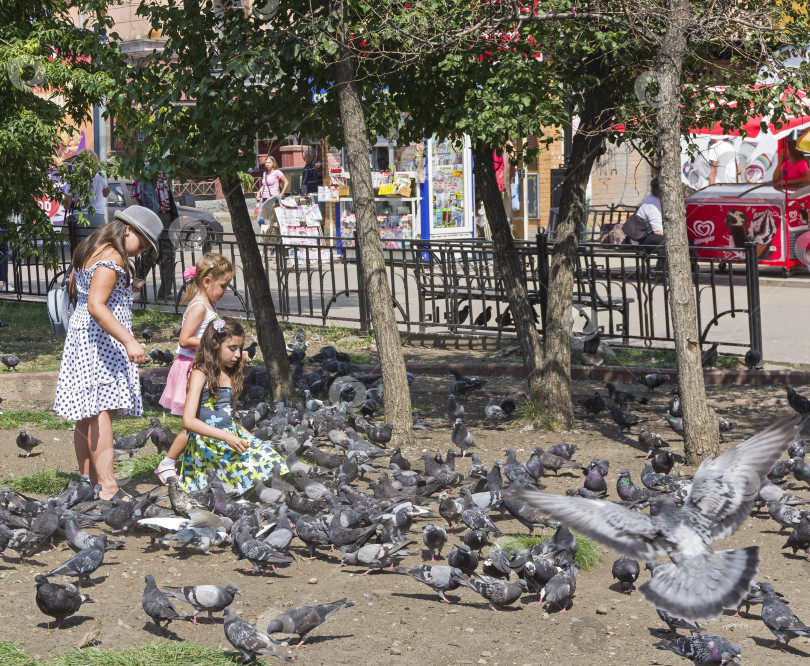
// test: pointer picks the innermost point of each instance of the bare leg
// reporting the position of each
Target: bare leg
(81, 445)
(100, 445)
(178, 446)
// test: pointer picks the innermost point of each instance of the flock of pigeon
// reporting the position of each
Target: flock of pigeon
(363, 500)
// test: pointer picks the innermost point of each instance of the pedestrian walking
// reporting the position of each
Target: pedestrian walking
(273, 185)
(158, 197)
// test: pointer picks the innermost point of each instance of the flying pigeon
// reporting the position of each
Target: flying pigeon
(700, 582)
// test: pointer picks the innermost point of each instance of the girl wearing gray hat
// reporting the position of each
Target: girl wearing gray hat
(98, 376)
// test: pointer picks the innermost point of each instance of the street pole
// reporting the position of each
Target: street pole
(525, 203)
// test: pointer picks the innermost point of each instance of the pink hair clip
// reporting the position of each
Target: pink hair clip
(218, 324)
(189, 273)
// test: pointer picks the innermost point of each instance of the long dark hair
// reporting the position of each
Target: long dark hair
(111, 234)
(207, 358)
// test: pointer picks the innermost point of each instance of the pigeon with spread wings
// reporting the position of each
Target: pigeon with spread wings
(700, 582)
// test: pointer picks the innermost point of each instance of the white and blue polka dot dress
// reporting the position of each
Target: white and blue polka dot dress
(96, 373)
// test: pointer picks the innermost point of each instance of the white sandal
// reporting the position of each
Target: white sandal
(165, 474)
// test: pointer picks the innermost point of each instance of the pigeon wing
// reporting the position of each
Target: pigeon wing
(724, 488)
(628, 532)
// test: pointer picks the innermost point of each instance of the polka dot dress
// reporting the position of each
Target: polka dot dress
(96, 374)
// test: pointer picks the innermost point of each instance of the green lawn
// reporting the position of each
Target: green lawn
(158, 653)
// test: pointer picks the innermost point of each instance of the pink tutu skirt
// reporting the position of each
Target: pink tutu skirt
(174, 395)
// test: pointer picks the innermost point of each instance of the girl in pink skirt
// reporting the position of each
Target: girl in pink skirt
(207, 283)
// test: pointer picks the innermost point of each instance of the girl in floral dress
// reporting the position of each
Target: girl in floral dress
(215, 440)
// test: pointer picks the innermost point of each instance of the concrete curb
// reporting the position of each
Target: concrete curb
(40, 387)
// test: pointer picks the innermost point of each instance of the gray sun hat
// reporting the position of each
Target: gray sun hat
(144, 220)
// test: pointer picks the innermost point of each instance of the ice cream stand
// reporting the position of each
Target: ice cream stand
(724, 216)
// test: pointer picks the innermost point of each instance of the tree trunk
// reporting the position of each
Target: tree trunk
(510, 267)
(700, 425)
(271, 337)
(383, 319)
(556, 399)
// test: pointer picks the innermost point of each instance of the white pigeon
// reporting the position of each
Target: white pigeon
(700, 582)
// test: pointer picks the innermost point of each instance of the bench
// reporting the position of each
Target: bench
(457, 283)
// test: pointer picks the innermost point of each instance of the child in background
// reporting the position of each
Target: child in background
(207, 283)
(215, 440)
(98, 376)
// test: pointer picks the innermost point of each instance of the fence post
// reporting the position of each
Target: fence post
(543, 270)
(752, 287)
(362, 293)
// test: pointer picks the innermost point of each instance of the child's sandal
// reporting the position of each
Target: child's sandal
(165, 474)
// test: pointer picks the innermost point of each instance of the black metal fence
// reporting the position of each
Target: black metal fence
(457, 286)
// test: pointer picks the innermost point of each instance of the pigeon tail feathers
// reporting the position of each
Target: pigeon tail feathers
(700, 590)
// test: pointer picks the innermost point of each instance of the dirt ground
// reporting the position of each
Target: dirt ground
(396, 619)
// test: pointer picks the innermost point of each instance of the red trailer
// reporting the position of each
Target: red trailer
(725, 216)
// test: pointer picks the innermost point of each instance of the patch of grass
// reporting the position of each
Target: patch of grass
(139, 468)
(530, 413)
(11, 655)
(42, 419)
(131, 424)
(644, 357)
(587, 556)
(159, 653)
(728, 362)
(363, 359)
(157, 320)
(418, 405)
(29, 335)
(42, 482)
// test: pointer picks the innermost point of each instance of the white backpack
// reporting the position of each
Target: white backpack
(60, 307)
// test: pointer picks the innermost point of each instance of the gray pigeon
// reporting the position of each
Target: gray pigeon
(303, 619)
(626, 570)
(248, 639)
(700, 582)
(27, 442)
(441, 579)
(494, 413)
(754, 596)
(85, 562)
(778, 617)
(461, 437)
(58, 601)
(434, 539)
(156, 605)
(211, 598)
(497, 592)
(560, 588)
(704, 650)
(375, 555)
